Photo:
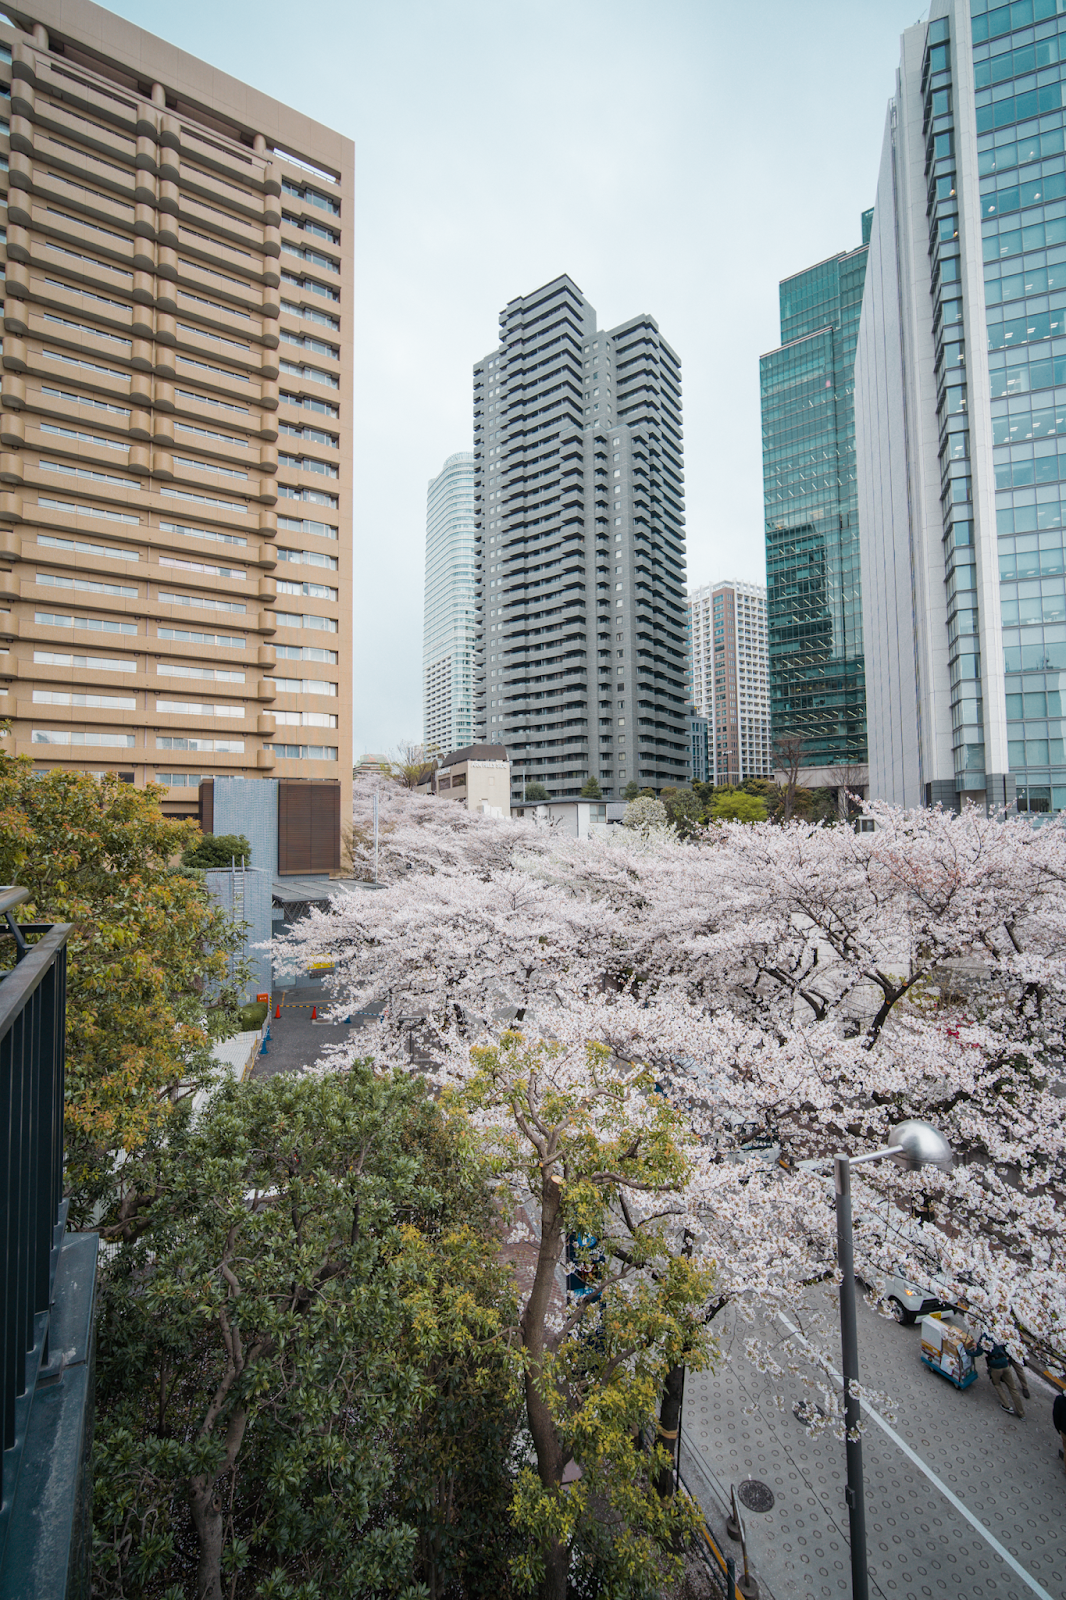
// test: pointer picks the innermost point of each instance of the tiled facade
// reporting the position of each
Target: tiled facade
(730, 678)
(175, 460)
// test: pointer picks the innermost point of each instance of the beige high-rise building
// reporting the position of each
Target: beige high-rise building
(175, 415)
(731, 678)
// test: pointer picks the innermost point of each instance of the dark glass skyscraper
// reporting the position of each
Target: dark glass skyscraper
(814, 608)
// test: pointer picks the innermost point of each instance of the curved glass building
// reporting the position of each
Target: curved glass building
(448, 630)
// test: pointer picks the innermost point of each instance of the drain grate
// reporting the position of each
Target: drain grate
(756, 1495)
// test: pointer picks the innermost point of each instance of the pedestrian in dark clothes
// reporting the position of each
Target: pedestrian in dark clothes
(1001, 1371)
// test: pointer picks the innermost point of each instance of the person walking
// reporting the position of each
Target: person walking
(1058, 1418)
(1000, 1369)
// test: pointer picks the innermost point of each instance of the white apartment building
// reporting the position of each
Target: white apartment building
(731, 677)
(450, 620)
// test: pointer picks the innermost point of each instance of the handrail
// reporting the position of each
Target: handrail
(32, 1039)
(12, 895)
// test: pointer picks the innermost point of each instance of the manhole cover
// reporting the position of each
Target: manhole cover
(757, 1496)
(806, 1412)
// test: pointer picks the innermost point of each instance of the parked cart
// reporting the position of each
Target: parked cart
(948, 1350)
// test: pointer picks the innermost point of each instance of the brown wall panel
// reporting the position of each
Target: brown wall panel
(294, 827)
(325, 827)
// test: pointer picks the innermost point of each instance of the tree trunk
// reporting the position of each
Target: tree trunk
(556, 1570)
(538, 1413)
(207, 1519)
(669, 1426)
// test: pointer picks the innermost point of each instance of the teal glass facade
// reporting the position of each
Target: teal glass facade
(814, 603)
(1019, 63)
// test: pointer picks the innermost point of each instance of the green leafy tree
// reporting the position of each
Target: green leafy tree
(590, 789)
(412, 764)
(536, 791)
(218, 850)
(733, 805)
(304, 1388)
(683, 810)
(148, 949)
(631, 790)
(817, 805)
(605, 1159)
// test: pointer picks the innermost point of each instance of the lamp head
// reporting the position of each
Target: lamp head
(920, 1145)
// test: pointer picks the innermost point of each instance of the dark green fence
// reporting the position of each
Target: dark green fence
(47, 1281)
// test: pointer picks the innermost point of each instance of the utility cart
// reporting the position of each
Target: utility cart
(948, 1349)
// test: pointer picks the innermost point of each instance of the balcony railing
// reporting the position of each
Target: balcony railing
(47, 1280)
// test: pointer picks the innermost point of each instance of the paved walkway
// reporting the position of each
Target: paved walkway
(1006, 1472)
(296, 1040)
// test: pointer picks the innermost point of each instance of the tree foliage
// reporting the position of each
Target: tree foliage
(218, 850)
(734, 805)
(646, 816)
(304, 1384)
(683, 810)
(600, 1152)
(590, 789)
(536, 791)
(148, 947)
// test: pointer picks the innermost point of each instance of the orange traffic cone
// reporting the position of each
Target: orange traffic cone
(314, 1013)
(277, 1011)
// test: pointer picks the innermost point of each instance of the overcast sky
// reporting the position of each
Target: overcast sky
(676, 157)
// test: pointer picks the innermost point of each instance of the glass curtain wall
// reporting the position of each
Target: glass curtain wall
(450, 617)
(817, 684)
(1019, 60)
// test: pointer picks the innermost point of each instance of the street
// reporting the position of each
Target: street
(1004, 1471)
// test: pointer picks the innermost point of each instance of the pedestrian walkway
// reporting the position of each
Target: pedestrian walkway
(739, 1423)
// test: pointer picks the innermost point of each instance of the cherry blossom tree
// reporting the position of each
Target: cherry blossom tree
(797, 989)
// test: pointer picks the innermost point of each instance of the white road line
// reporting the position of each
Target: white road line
(964, 1511)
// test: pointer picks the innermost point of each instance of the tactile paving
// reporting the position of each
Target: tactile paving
(1005, 1471)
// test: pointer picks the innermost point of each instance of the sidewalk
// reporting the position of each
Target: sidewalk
(1004, 1471)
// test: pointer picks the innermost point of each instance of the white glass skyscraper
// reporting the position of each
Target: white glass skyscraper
(449, 625)
(731, 677)
(958, 417)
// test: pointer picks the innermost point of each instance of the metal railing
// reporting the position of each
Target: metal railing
(32, 1213)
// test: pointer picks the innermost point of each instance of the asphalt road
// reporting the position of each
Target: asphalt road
(296, 1038)
(739, 1423)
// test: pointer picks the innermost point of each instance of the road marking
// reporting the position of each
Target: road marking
(963, 1510)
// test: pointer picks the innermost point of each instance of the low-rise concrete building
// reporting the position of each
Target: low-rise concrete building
(581, 819)
(478, 777)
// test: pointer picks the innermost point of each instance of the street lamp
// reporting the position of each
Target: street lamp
(913, 1144)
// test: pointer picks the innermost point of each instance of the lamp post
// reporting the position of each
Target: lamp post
(913, 1144)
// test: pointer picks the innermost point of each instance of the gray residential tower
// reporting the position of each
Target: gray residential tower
(579, 495)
